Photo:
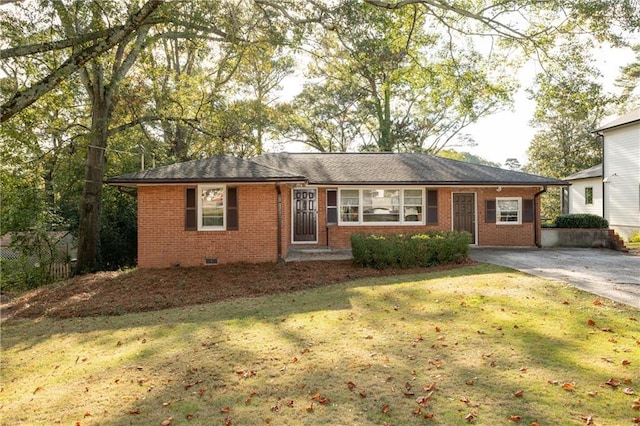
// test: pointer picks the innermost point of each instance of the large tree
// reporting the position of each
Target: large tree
(569, 105)
(383, 78)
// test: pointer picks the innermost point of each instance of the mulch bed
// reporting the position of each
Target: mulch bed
(117, 293)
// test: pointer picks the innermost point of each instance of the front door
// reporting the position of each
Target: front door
(464, 214)
(305, 211)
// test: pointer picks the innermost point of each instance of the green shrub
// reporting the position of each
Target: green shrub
(582, 220)
(635, 237)
(408, 250)
(21, 275)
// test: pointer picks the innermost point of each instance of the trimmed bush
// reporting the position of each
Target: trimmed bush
(582, 220)
(635, 237)
(409, 250)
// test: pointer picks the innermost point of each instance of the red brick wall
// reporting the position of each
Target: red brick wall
(492, 234)
(163, 242)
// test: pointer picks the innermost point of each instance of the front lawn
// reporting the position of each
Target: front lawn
(479, 344)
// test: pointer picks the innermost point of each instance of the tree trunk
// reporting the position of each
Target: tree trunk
(90, 206)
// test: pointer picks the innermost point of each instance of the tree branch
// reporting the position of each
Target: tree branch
(26, 97)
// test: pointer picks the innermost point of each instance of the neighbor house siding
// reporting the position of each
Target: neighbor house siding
(622, 171)
(577, 202)
(164, 242)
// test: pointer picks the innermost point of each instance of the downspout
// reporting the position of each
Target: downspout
(601, 137)
(537, 221)
(279, 238)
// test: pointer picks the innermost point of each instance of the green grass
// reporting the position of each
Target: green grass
(477, 335)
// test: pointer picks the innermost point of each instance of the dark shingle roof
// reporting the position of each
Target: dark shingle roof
(398, 168)
(591, 172)
(336, 169)
(224, 168)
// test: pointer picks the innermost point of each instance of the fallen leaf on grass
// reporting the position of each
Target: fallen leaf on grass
(134, 411)
(626, 362)
(592, 393)
(591, 322)
(628, 391)
(309, 408)
(275, 408)
(316, 396)
(552, 382)
(225, 409)
(469, 382)
(429, 415)
(588, 420)
(351, 385)
(363, 394)
(429, 387)
(636, 420)
(519, 394)
(597, 302)
(515, 418)
(38, 389)
(228, 421)
(424, 400)
(385, 409)
(190, 416)
(470, 417)
(612, 382)
(569, 386)
(167, 421)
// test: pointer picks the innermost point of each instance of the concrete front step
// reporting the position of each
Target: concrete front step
(303, 254)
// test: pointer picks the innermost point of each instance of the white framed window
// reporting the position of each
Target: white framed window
(211, 207)
(381, 206)
(509, 211)
(588, 195)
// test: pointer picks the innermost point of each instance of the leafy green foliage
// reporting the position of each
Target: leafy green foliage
(118, 230)
(635, 237)
(581, 220)
(569, 105)
(408, 250)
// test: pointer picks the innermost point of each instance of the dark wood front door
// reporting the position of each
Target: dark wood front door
(305, 207)
(464, 214)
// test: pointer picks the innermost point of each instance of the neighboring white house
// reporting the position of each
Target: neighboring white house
(616, 192)
(585, 193)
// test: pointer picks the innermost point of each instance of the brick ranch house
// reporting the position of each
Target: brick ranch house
(226, 209)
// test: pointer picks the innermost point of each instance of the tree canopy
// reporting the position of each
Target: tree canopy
(93, 89)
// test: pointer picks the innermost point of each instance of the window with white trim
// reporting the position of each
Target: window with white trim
(381, 206)
(211, 207)
(588, 195)
(509, 211)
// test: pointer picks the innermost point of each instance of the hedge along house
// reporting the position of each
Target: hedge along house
(226, 209)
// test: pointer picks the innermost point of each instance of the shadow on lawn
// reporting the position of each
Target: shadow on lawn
(407, 339)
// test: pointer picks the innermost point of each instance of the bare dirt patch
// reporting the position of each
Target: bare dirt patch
(117, 293)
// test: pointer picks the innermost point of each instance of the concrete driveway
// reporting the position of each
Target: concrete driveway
(603, 272)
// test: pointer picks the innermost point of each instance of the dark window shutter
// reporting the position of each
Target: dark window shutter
(490, 211)
(232, 209)
(191, 211)
(432, 207)
(332, 206)
(527, 211)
